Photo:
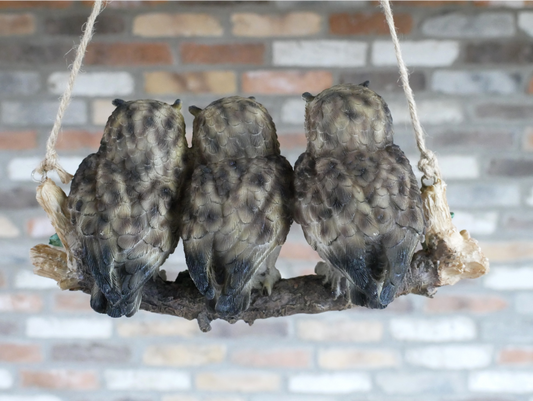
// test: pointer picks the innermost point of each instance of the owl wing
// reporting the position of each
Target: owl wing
(239, 214)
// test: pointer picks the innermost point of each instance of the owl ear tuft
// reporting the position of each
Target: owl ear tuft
(194, 110)
(308, 97)
(365, 84)
(118, 102)
(177, 104)
(251, 97)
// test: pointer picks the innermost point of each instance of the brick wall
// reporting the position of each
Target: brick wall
(472, 68)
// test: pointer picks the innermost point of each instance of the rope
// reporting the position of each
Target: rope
(428, 162)
(51, 161)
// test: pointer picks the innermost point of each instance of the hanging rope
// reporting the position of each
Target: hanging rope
(428, 162)
(51, 162)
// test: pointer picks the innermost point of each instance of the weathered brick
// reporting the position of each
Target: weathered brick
(78, 139)
(477, 223)
(289, 141)
(18, 140)
(7, 228)
(510, 278)
(480, 138)
(236, 53)
(516, 356)
(52, 327)
(8, 328)
(29, 397)
(519, 222)
(473, 82)
(339, 330)
(514, 52)
(330, 383)
(102, 109)
(19, 82)
(108, 24)
(483, 195)
(238, 381)
(91, 352)
(507, 251)
(35, 4)
(498, 381)
(479, 25)
(450, 357)
(459, 167)
(174, 328)
(26, 279)
(3, 280)
(514, 331)
(32, 112)
(352, 358)
(16, 24)
(293, 111)
(20, 302)
(6, 379)
(465, 303)
(525, 22)
(261, 328)
(368, 23)
(168, 25)
(184, 355)
(163, 82)
(524, 303)
(60, 379)
(93, 84)
(72, 302)
(319, 53)
(433, 330)
(414, 383)
(504, 111)
(430, 111)
(269, 25)
(20, 353)
(128, 54)
(385, 81)
(144, 379)
(286, 82)
(180, 397)
(34, 53)
(426, 53)
(272, 358)
(510, 168)
(40, 227)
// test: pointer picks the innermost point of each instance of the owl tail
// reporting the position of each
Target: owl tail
(232, 304)
(126, 307)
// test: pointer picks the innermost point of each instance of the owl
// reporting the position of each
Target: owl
(124, 201)
(237, 209)
(357, 198)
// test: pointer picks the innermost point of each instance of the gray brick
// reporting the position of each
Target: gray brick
(19, 83)
(385, 81)
(517, 222)
(414, 383)
(31, 113)
(472, 82)
(504, 111)
(482, 195)
(33, 54)
(92, 352)
(499, 53)
(511, 168)
(525, 22)
(459, 139)
(8, 328)
(524, 303)
(72, 25)
(481, 25)
(18, 198)
(260, 328)
(510, 329)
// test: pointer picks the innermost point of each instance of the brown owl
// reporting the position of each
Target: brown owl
(357, 198)
(124, 201)
(238, 207)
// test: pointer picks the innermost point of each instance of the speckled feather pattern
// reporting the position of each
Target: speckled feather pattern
(124, 201)
(357, 198)
(238, 207)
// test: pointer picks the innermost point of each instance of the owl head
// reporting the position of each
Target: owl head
(347, 117)
(232, 128)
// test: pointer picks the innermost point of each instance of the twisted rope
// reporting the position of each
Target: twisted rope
(428, 161)
(51, 161)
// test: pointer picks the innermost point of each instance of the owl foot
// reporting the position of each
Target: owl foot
(339, 284)
(268, 279)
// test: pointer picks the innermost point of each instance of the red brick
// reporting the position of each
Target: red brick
(128, 54)
(20, 353)
(530, 87)
(292, 141)
(282, 358)
(18, 140)
(286, 82)
(465, 303)
(291, 250)
(72, 301)
(16, 24)
(73, 140)
(364, 23)
(35, 4)
(60, 379)
(516, 356)
(249, 53)
(20, 303)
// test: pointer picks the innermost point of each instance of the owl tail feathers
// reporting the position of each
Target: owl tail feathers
(232, 304)
(125, 307)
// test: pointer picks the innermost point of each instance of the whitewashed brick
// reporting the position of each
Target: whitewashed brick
(93, 83)
(459, 167)
(19, 82)
(514, 382)
(433, 330)
(161, 380)
(430, 111)
(414, 383)
(6, 380)
(29, 113)
(477, 223)
(473, 82)
(524, 303)
(323, 53)
(26, 279)
(20, 169)
(427, 53)
(525, 22)
(334, 383)
(482, 195)
(510, 278)
(102, 109)
(42, 327)
(7, 228)
(29, 398)
(479, 25)
(293, 111)
(450, 356)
